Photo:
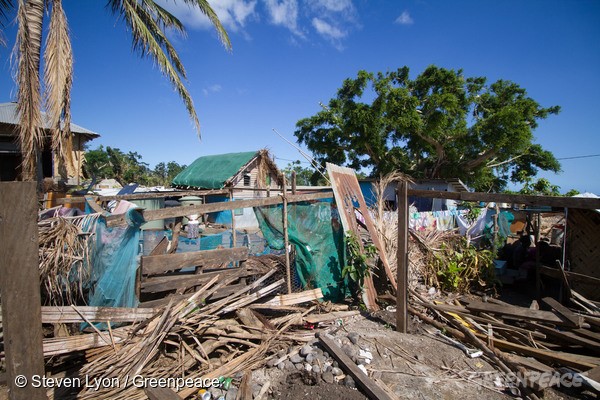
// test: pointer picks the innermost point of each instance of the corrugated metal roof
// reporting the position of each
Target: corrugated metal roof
(212, 172)
(8, 115)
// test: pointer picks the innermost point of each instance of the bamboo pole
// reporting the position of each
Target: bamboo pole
(286, 239)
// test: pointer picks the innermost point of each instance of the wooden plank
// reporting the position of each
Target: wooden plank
(172, 212)
(362, 380)
(572, 276)
(64, 345)
(161, 393)
(332, 316)
(551, 201)
(348, 198)
(171, 262)
(183, 281)
(517, 312)
(568, 337)
(402, 259)
(20, 287)
(67, 315)
(551, 356)
(564, 312)
(296, 298)
(593, 374)
(91, 201)
(218, 294)
(286, 239)
(157, 195)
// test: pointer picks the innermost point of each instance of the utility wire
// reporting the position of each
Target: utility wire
(575, 157)
(311, 160)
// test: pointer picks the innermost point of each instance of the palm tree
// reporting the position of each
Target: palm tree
(147, 22)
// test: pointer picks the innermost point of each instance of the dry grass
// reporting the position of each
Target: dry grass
(64, 265)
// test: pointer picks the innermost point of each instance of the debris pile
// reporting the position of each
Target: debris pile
(534, 348)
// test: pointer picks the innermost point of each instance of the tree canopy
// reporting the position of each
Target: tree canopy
(439, 125)
(126, 168)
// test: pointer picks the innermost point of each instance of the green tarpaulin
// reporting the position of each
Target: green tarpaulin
(211, 172)
(317, 234)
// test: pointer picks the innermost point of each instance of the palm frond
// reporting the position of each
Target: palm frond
(6, 6)
(165, 18)
(148, 22)
(58, 76)
(30, 17)
(149, 38)
(207, 10)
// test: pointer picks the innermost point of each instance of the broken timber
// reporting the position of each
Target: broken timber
(172, 212)
(159, 264)
(362, 380)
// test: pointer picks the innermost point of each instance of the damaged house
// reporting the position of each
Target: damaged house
(249, 174)
(10, 153)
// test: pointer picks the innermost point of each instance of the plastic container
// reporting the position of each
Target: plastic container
(152, 204)
(190, 201)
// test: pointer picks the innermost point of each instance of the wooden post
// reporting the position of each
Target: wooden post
(286, 239)
(293, 182)
(538, 228)
(402, 256)
(233, 235)
(20, 289)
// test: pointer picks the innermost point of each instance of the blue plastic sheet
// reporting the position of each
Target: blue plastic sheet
(114, 263)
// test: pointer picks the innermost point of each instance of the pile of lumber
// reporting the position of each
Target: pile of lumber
(194, 336)
(533, 343)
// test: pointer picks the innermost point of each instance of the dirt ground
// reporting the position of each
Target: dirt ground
(415, 365)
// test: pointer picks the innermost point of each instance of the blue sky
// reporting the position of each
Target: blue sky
(290, 55)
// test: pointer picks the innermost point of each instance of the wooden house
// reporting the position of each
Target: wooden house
(248, 175)
(10, 152)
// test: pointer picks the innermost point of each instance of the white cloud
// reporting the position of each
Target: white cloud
(233, 14)
(216, 88)
(284, 13)
(404, 19)
(327, 30)
(336, 6)
(330, 19)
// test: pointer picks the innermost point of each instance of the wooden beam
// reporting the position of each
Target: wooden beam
(551, 201)
(296, 298)
(568, 337)
(564, 312)
(517, 312)
(67, 315)
(20, 288)
(184, 281)
(160, 264)
(63, 345)
(402, 259)
(91, 201)
(362, 380)
(172, 212)
(286, 239)
(157, 195)
(161, 393)
(572, 276)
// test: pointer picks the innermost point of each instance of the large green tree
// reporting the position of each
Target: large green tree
(148, 24)
(110, 162)
(439, 125)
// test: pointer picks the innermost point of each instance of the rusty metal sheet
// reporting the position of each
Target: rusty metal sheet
(349, 199)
